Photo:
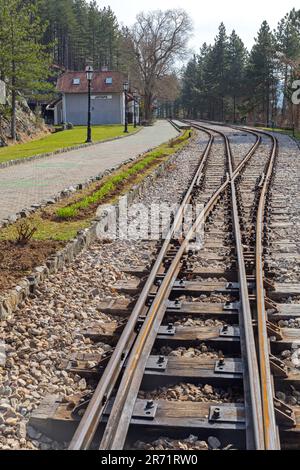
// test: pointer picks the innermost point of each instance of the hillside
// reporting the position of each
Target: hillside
(28, 125)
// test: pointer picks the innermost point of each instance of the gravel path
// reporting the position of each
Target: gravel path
(285, 251)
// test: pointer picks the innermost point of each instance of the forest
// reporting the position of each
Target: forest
(225, 81)
(79, 30)
(39, 39)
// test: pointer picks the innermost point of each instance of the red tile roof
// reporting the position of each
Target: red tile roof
(65, 82)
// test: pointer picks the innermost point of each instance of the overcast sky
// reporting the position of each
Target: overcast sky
(243, 16)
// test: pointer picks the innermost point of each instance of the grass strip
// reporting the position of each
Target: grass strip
(60, 140)
(283, 131)
(62, 229)
(72, 211)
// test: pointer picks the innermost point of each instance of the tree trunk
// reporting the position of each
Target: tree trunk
(13, 115)
(13, 104)
(234, 109)
(284, 102)
(297, 119)
(148, 106)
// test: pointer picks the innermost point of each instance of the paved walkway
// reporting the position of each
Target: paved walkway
(29, 183)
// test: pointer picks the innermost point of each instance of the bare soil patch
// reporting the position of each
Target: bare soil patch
(17, 261)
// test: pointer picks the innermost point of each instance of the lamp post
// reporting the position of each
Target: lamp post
(293, 119)
(125, 89)
(139, 103)
(134, 108)
(89, 76)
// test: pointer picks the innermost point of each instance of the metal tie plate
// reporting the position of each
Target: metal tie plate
(174, 305)
(157, 363)
(225, 366)
(232, 286)
(230, 332)
(167, 330)
(226, 414)
(145, 409)
(231, 306)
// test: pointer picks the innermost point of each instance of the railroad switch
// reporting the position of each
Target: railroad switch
(79, 410)
(285, 415)
(269, 285)
(278, 367)
(270, 304)
(274, 331)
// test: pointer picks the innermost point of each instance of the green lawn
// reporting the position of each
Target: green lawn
(283, 131)
(60, 140)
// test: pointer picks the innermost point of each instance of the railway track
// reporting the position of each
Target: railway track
(198, 353)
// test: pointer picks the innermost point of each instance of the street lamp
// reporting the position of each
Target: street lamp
(139, 102)
(89, 76)
(125, 89)
(135, 95)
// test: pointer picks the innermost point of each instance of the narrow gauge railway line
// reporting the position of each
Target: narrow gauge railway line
(124, 403)
(269, 309)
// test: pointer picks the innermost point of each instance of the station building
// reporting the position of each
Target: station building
(107, 98)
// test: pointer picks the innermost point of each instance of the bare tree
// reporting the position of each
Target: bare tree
(168, 88)
(157, 40)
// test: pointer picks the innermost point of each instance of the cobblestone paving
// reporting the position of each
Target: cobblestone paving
(30, 183)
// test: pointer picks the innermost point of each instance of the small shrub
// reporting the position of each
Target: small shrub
(25, 232)
(66, 212)
(171, 143)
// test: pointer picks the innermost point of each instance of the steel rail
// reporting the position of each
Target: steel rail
(118, 423)
(271, 432)
(90, 421)
(272, 441)
(255, 433)
(248, 155)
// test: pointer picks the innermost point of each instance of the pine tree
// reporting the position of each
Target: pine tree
(237, 56)
(188, 96)
(288, 45)
(24, 61)
(216, 73)
(80, 38)
(81, 32)
(261, 74)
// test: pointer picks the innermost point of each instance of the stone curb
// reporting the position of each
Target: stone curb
(40, 156)
(12, 299)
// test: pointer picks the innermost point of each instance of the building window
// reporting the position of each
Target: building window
(76, 81)
(108, 81)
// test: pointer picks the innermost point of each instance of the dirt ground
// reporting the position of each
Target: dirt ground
(16, 261)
